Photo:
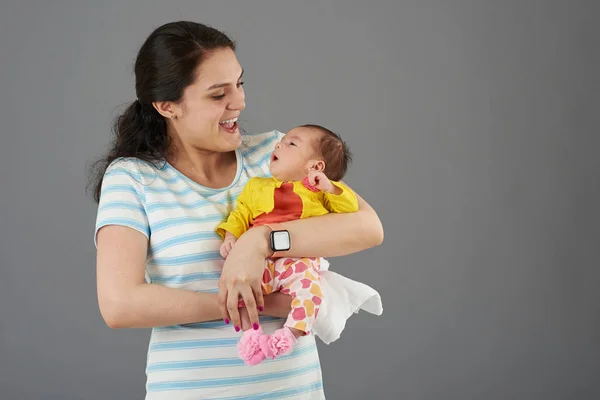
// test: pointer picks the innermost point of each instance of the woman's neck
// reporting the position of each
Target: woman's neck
(207, 168)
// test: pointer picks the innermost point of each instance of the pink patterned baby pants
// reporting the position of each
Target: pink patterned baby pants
(298, 277)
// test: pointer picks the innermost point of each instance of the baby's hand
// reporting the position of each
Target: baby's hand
(245, 319)
(319, 180)
(227, 245)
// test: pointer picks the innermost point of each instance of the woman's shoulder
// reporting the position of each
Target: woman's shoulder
(134, 168)
(133, 164)
(138, 178)
(258, 146)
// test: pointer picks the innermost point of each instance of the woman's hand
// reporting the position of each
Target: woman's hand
(242, 277)
(277, 304)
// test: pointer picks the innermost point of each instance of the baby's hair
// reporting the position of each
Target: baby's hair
(335, 152)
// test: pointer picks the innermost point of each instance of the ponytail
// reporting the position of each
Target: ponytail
(140, 132)
(165, 65)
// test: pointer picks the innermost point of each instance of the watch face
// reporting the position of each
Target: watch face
(281, 240)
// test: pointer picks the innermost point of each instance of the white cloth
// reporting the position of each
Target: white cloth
(342, 297)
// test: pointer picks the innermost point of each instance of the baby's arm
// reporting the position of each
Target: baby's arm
(227, 244)
(338, 197)
(238, 222)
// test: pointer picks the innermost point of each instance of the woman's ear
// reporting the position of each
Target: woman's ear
(165, 108)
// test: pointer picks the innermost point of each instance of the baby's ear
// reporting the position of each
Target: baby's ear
(318, 165)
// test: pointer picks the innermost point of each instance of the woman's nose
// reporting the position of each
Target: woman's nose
(238, 102)
(277, 145)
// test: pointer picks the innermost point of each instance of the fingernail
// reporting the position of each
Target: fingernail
(237, 328)
(255, 326)
(226, 321)
(260, 308)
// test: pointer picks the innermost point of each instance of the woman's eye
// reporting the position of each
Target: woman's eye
(218, 96)
(292, 144)
(240, 84)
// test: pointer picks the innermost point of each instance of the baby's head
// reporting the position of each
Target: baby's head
(310, 147)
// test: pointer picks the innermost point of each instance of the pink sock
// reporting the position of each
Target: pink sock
(248, 347)
(280, 343)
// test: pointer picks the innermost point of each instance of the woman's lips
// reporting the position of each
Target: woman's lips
(230, 127)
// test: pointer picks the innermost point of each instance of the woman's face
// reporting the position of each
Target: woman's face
(206, 118)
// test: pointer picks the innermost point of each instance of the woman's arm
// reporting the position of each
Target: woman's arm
(330, 235)
(324, 236)
(126, 301)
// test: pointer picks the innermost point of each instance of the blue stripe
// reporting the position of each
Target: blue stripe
(278, 394)
(260, 162)
(187, 220)
(261, 146)
(187, 259)
(211, 325)
(116, 172)
(221, 362)
(187, 238)
(229, 196)
(182, 192)
(187, 278)
(215, 290)
(121, 205)
(175, 204)
(224, 382)
(123, 189)
(194, 344)
(125, 222)
(147, 175)
(202, 190)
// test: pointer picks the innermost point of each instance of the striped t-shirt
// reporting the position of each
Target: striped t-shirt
(179, 217)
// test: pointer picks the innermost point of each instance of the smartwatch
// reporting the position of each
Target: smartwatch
(279, 239)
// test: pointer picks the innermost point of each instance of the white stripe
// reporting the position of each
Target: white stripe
(180, 217)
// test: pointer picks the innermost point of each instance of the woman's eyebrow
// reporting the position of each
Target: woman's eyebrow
(218, 85)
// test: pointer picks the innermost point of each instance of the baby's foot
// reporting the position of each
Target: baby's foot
(280, 343)
(248, 347)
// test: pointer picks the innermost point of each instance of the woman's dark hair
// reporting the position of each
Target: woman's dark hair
(164, 67)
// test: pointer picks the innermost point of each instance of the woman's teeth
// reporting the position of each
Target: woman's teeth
(228, 124)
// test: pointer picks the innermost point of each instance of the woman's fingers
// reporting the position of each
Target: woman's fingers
(258, 295)
(229, 301)
(222, 299)
(248, 296)
(232, 308)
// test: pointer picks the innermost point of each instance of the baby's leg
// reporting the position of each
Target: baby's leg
(300, 279)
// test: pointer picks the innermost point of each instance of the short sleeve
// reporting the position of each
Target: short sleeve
(122, 198)
(279, 135)
(256, 150)
(344, 202)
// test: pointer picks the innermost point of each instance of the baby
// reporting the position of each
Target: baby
(306, 167)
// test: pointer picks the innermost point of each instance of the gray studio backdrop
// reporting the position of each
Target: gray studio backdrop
(475, 131)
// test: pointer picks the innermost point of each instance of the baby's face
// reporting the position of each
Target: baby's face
(295, 155)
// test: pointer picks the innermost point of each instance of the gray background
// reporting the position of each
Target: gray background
(474, 125)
